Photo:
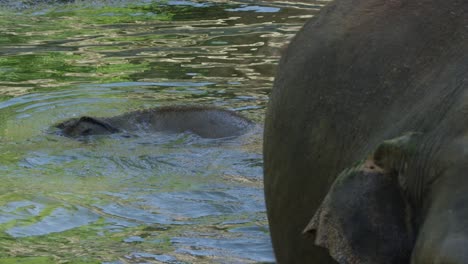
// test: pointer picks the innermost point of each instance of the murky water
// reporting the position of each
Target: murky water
(154, 198)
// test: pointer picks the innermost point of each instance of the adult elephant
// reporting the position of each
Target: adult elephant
(359, 74)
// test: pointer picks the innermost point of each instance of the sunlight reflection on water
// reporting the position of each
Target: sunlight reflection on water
(147, 197)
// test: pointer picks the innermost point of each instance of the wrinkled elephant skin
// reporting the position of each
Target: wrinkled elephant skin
(359, 74)
(206, 122)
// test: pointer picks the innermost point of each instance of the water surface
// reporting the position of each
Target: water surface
(151, 198)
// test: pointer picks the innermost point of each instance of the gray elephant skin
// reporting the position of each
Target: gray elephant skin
(366, 136)
(206, 122)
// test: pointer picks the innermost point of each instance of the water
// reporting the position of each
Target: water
(154, 198)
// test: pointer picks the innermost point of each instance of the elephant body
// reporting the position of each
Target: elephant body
(206, 122)
(356, 75)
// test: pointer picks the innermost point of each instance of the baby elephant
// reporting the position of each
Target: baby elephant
(206, 122)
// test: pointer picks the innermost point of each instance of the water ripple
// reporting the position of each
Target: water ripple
(143, 197)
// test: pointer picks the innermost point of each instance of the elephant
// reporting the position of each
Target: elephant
(204, 121)
(366, 136)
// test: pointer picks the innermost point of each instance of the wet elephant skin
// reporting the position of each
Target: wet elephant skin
(204, 121)
(360, 73)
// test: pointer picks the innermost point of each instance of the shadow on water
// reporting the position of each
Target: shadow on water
(150, 198)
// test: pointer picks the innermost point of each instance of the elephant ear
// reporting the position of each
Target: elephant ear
(91, 121)
(85, 126)
(363, 218)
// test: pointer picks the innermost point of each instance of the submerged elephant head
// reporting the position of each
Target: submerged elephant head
(204, 121)
(361, 73)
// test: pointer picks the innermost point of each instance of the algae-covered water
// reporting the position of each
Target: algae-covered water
(150, 198)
